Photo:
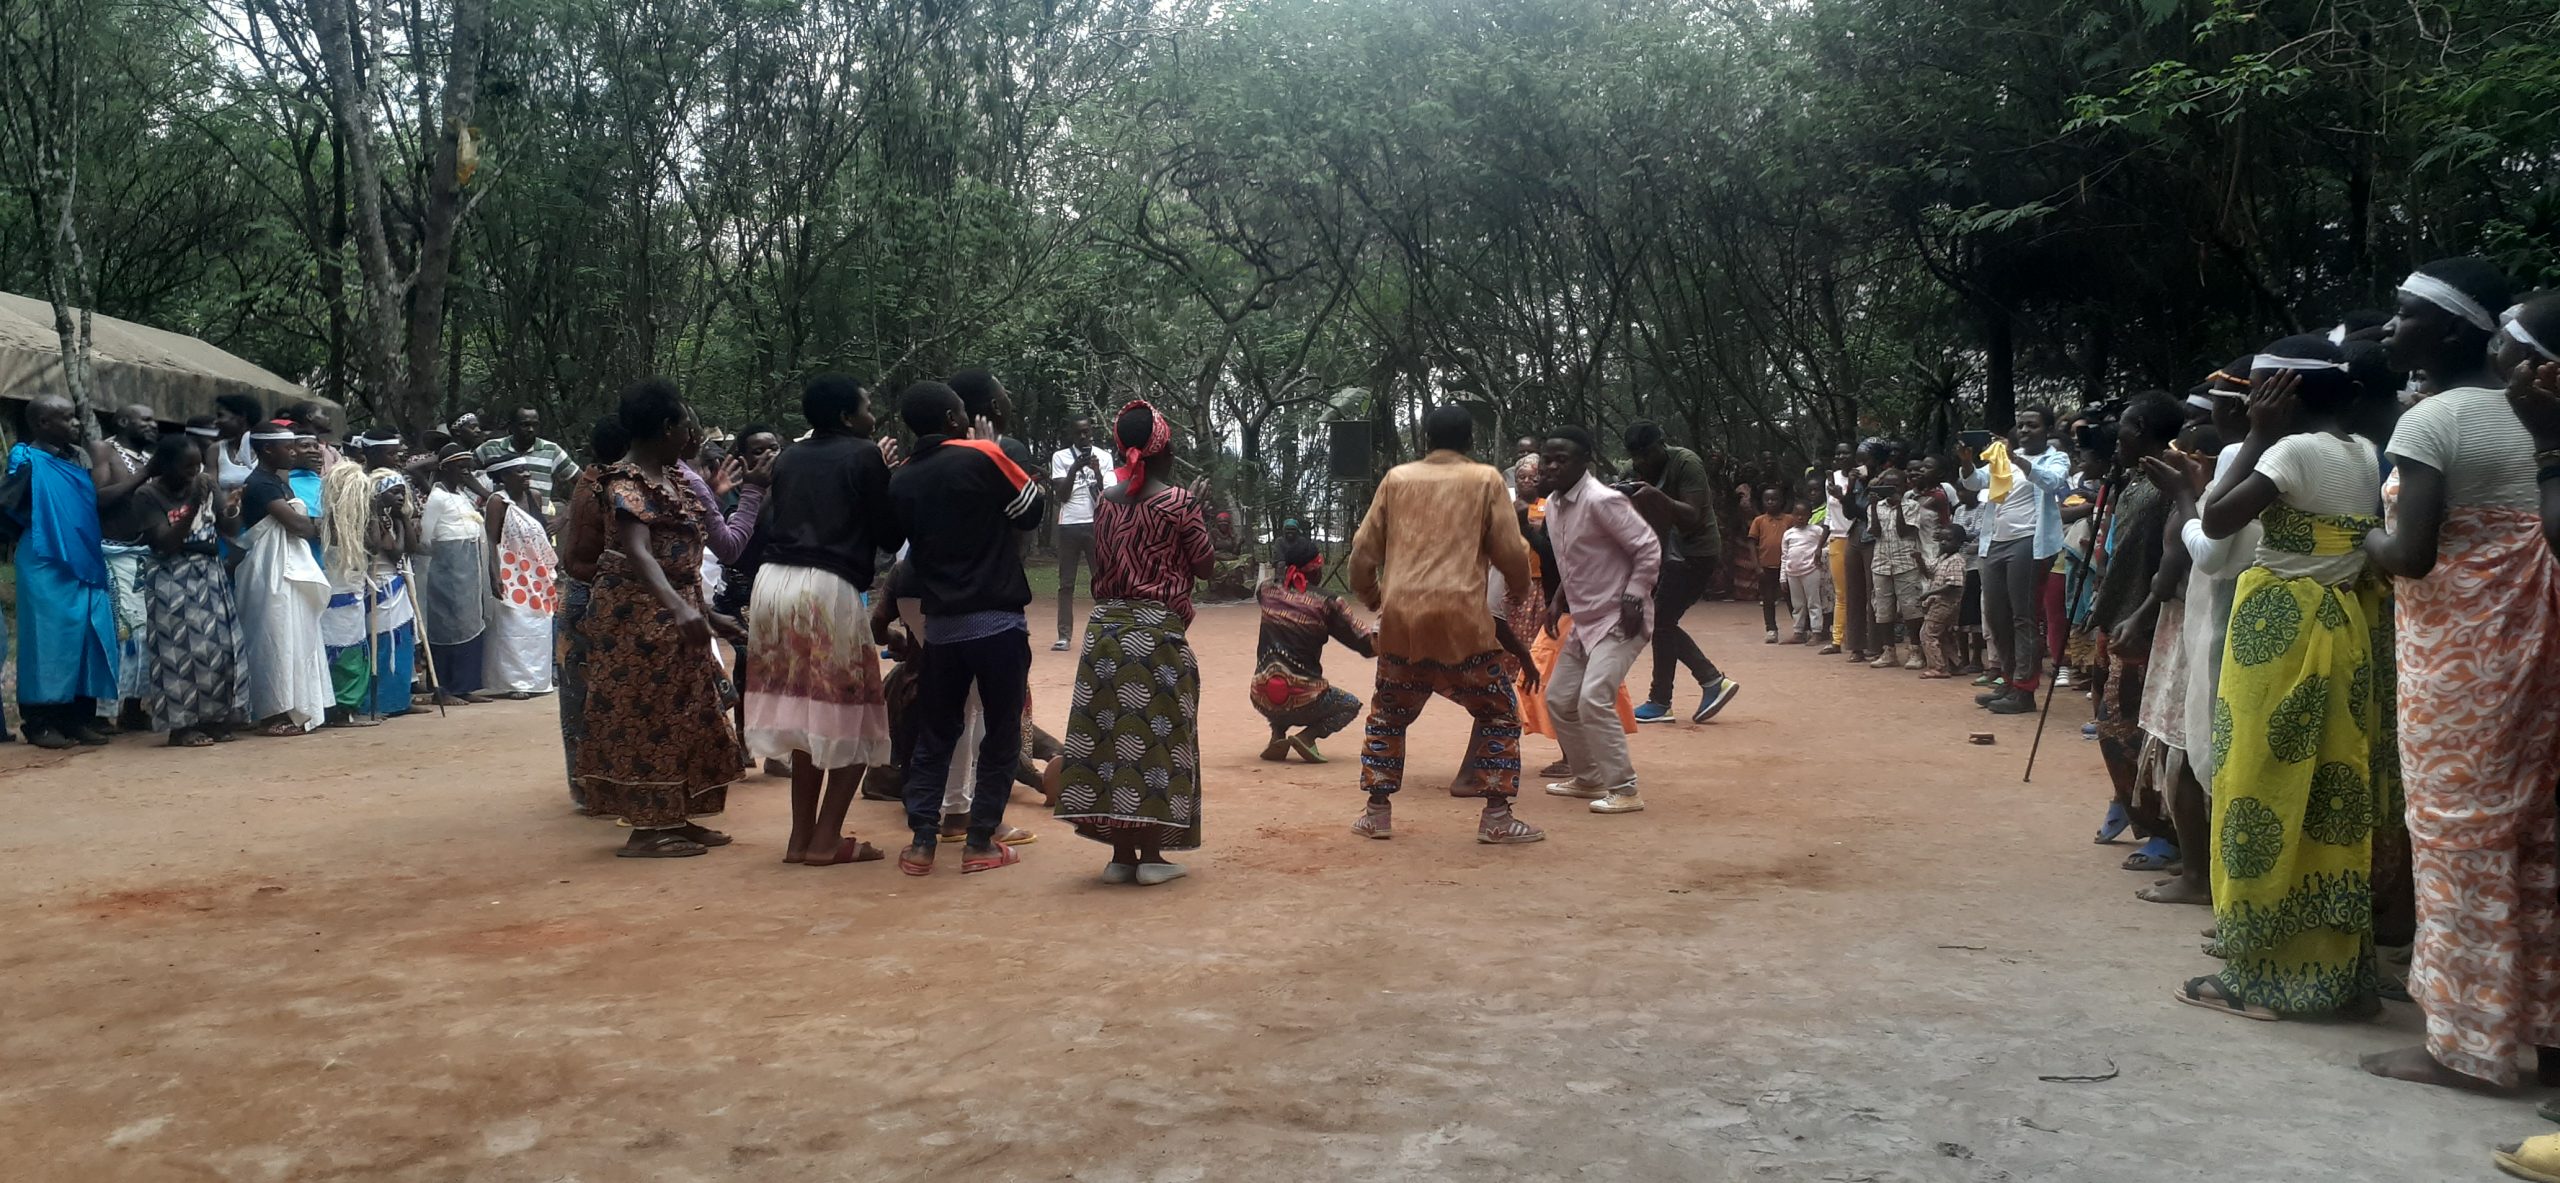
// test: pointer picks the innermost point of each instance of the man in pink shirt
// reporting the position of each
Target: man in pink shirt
(1607, 560)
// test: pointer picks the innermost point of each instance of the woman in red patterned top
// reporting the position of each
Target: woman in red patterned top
(1132, 762)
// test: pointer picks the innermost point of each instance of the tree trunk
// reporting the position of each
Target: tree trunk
(350, 103)
(2000, 371)
(417, 408)
(66, 283)
(40, 115)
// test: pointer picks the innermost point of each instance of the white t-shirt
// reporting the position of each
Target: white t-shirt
(2320, 473)
(234, 462)
(2014, 516)
(452, 517)
(1077, 508)
(2472, 436)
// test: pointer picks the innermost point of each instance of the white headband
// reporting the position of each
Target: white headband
(509, 462)
(2450, 298)
(2338, 335)
(273, 437)
(2512, 324)
(2269, 361)
(205, 432)
(373, 441)
(2201, 402)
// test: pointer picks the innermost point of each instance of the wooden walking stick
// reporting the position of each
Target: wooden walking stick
(425, 650)
(2070, 595)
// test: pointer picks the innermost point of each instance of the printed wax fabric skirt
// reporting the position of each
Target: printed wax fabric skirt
(813, 671)
(2296, 725)
(2479, 653)
(196, 679)
(1132, 761)
(128, 567)
(570, 644)
(2164, 693)
(657, 748)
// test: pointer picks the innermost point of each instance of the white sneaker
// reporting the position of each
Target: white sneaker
(1576, 789)
(1120, 872)
(1060, 647)
(1619, 801)
(1151, 874)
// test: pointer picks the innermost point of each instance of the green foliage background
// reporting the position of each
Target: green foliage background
(1768, 225)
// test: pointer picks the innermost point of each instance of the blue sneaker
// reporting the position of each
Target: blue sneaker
(1654, 712)
(1718, 693)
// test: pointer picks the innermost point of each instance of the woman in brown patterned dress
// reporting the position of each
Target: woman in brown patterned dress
(658, 749)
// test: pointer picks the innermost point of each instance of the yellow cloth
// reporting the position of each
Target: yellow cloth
(2297, 720)
(1435, 526)
(1995, 459)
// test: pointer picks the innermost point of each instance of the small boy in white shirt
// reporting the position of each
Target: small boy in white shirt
(1802, 559)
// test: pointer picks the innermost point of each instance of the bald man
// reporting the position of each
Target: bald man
(66, 617)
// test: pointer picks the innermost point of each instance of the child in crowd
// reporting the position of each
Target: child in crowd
(1768, 543)
(1801, 557)
(1939, 649)
(1895, 563)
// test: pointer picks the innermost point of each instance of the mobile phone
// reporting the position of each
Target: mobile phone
(1976, 440)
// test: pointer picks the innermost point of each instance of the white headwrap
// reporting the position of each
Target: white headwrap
(2512, 324)
(205, 433)
(2450, 298)
(2270, 361)
(2201, 402)
(518, 461)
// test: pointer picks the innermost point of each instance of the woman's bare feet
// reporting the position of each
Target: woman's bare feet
(2414, 1065)
(2180, 890)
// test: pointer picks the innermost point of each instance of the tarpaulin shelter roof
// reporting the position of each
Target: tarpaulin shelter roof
(175, 375)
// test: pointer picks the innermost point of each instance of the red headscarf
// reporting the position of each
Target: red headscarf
(1133, 461)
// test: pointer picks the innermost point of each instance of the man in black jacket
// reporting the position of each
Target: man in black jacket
(963, 505)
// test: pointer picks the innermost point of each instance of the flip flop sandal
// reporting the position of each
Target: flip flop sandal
(1001, 856)
(2155, 855)
(2193, 994)
(2114, 827)
(277, 731)
(2549, 1110)
(673, 845)
(2536, 1158)
(909, 864)
(194, 739)
(707, 837)
(853, 850)
(1306, 749)
(1277, 750)
(2213, 949)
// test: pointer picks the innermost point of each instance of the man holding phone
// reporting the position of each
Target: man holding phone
(2023, 483)
(1079, 474)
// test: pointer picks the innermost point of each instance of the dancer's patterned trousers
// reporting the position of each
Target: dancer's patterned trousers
(1481, 685)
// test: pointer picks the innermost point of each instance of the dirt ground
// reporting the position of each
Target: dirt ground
(1842, 944)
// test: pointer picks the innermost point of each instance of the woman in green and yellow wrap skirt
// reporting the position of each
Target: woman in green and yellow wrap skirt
(2301, 708)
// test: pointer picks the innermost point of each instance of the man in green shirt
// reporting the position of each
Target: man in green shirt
(553, 471)
(1674, 495)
